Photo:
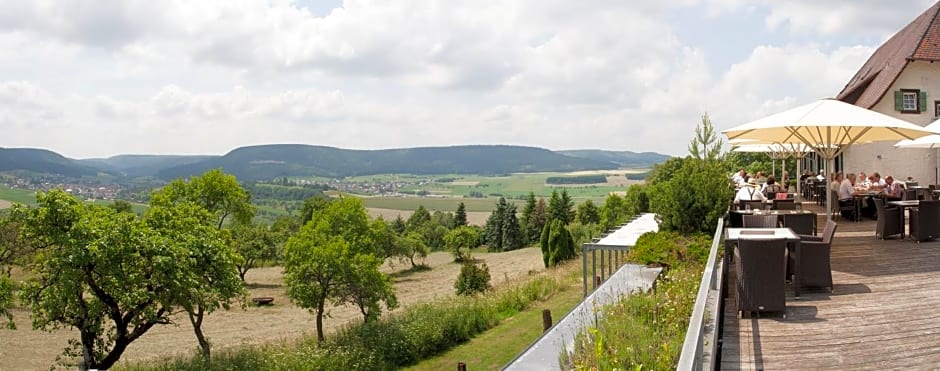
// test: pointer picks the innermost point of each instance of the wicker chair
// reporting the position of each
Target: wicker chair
(760, 221)
(815, 270)
(838, 206)
(751, 204)
(783, 204)
(890, 220)
(803, 224)
(909, 194)
(760, 266)
(925, 221)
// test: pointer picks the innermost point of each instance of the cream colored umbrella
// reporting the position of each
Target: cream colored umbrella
(777, 151)
(827, 126)
(930, 141)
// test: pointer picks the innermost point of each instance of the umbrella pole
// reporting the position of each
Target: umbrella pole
(798, 175)
(828, 193)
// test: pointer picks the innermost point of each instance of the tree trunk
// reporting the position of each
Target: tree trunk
(88, 351)
(320, 322)
(120, 344)
(196, 320)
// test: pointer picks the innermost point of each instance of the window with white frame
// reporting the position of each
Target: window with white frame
(909, 101)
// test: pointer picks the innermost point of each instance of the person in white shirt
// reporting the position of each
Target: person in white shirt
(820, 177)
(847, 194)
(750, 193)
(738, 177)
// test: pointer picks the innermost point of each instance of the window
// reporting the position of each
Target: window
(910, 101)
(936, 108)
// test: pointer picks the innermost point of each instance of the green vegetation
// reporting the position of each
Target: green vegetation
(557, 244)
(473, 278)
(401, 339)
(580, 179)
(20, 196)
(502, 228)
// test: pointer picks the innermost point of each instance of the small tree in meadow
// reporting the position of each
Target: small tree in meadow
(473, 278)
(465, 238)
(557, 244)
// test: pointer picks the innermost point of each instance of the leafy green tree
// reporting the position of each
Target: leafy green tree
(316, 267)
(215, 191)
(412, 246)
(443, 219)
(557, 244)
(472, 278)
(221, 197)
(583, 233)
(433, 235)
(692, 198)
(122, 206)
(311, 206)
(460, 216)
(106, 274)
(6, 302)
(254, 243)
(15, 249)
(706, 144)
(385, 239)
(636, 201)
(332, 259)
(614, 212)
(588, 213)
(465, 237)
(419, 218)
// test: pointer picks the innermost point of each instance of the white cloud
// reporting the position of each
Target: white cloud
(208, 76)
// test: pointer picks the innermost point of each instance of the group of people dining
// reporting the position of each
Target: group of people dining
(759, 186)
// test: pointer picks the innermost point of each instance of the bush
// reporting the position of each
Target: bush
(670, 249)
(472, 278)
(583, 233)
(557, 244)
(689, 195)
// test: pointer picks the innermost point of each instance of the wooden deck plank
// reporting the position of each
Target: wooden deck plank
(884, 312)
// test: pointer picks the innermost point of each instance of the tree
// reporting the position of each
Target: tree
(254, 243)
(311, 206)
(613, 213)
(368, 287)
(14, 248)
(636, 201)
(6, 302)
(560, 207)
(106, 274)
(215, 191)
(705, 145)
(443, 219)
(502, 228)
(460, 216)
(692, 197)
(472, 278)
(588, 213)
(419, 218)
(527, 213)
(557, 244)
(221, 196)
(122, 206)
(464, 237)
(536, 221)
(215, 280)
(412, 245)
(332, 258)
(398, 225)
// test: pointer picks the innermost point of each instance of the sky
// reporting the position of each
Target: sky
(96, 78)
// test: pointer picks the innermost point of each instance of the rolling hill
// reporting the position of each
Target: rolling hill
(142, 165)
(627, 159)
(280, 160)
(43, 161)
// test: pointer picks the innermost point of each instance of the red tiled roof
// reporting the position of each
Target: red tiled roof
(919, 40)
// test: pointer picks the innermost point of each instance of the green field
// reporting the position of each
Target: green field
(518, 185)
(21, 196)
(433, 203)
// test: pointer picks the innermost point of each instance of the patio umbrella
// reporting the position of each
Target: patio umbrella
(827, 126)
(776, 150)
(930, 141)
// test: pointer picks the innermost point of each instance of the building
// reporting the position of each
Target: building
(902, 80)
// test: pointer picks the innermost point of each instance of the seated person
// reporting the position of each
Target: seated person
(749, 193)
(771, 188)
(893, 190)
(847, 193)
(738, 178)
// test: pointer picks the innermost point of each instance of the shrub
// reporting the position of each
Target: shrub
(583, 233)
(557, 244)
(472, 278)
(669, 249)
(689, 195)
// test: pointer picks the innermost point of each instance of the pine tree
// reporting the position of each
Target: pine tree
(511, 234)
(527, 212)
(536, 221)
(560, 207)
(419, 218)
(556, 243)
(588, 213)
(460, 216)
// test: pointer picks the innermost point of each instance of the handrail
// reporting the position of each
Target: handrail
(693, 347)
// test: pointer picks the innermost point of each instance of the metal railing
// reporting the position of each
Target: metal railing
(696, 349)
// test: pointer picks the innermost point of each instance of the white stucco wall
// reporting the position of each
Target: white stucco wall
(901, 162)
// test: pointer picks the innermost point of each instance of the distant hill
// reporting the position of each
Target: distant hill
(279, 160)
(142, 165)
(622, 158)
(42, 161)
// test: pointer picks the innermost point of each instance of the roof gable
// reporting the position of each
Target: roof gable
(919, 40)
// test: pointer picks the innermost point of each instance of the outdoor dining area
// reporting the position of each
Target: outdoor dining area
(816, 285)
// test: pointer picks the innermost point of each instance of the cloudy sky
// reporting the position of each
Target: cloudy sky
(95, 78)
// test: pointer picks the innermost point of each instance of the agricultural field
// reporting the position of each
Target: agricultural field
(519, 185)
(30, 349)
(13, 195)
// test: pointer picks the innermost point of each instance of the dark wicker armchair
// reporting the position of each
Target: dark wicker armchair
(925, 220)
(838, 206)
(760, 221)
(804, 224)
(760, 267)
(890, 220)
(753, 205)
(784, 204)
(815, 270)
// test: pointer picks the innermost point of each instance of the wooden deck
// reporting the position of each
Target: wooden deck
(884, 312)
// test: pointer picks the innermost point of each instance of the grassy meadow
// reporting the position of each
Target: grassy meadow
(21, 196)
